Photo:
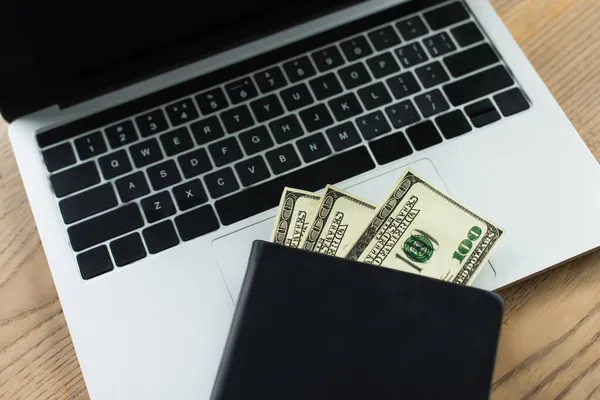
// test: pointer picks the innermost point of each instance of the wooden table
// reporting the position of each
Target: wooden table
(550, 345)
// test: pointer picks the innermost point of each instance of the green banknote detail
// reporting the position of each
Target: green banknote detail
(420, 229)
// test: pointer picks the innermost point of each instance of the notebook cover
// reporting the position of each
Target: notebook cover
(311, 326)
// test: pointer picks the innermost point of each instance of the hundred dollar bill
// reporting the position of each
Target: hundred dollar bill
(339, 219)
(295, 215)
(419, 229)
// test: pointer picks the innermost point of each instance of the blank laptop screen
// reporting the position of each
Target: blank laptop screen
(48, 46)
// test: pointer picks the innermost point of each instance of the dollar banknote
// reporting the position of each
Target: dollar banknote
(295, 215)
(419, 229)
(339, 218)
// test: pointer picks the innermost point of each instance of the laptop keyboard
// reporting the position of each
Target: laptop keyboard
(147, 175)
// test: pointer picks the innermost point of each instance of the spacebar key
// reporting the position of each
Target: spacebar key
(313, 177)
(106, 226)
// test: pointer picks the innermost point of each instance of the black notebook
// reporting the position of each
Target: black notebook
(310, 326)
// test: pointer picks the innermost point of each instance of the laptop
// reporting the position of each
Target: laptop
(154, 142)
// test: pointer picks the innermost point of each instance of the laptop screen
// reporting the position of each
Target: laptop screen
(53, 50)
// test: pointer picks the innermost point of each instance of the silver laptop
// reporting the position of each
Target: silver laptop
(154, 143)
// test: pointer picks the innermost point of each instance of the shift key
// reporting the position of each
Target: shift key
(106, 226)
(478, 85)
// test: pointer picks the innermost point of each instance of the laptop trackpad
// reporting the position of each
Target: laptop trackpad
(232, 250)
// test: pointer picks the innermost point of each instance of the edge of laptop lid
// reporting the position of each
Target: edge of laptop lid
(65, 53)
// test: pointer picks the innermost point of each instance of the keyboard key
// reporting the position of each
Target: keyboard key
(196, 223)
(453, 124)
(313, 147)
(296, 97)
(121, 134)
(152, 122)
(158, 206)
(160, 237)
(225, 151)
(163, 175)
(511, 102)
(471, 60)
(88, 203)
(237, 118)
(431, 103)
(432, 74)
(207, 130)
(403, 85)
(316, 117)
(438, 45)
(446, 15)
(194, 163)
(390, 148)
(327, 58)
(105, 226)
(299, 69)
(283, 159)
(211, 101)
(221, 182)
(176, 141)
(270, 79)
(412, 28)
(478, 85)
(256, 139)
(343, 136)
(59, 157)
(128, 249)
(94, 262)
(252, 170)
(374, 96)
(354, 75)
(384, 38)
(402, 114)
(356, 48)
(286, 128)
(313, 177)
(345, 106)
(241, 90)
(482, 113)
(90, 146)
(325, 86)
(266, 108)
(423, 135)
(383, 65)
(115, 164)
(467, 34)
(373, 125)
(146, 153)
(74, 179)
(411, 55)
(132, 186)
(181, 112)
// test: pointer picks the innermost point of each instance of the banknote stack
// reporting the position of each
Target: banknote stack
(416, 228)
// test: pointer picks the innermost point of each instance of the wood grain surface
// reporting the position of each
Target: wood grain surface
(550, 347)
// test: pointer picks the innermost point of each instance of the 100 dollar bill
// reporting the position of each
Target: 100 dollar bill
(295, 215)
(339, 219)
(421, 230)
